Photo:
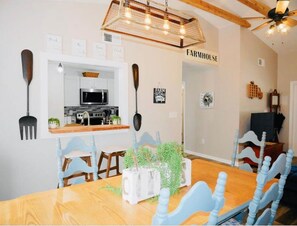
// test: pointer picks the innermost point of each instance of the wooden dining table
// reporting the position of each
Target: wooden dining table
(96, 203)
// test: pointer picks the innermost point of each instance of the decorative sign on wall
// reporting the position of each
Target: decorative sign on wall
(159, 95)
(202, 55)
(254, 91)
(206, 99)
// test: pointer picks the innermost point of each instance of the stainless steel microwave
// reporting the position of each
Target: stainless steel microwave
(93, 96)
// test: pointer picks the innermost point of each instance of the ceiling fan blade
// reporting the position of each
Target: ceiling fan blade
(289, 22)
(255, 18)
(281, 6)
(293, 13)
(262, 25)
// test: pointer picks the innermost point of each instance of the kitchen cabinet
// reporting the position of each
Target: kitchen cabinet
(71, 91)
(93, 83)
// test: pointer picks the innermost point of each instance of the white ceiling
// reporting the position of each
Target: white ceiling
(280, 43)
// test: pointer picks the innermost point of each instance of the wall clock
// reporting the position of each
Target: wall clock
(206, 99)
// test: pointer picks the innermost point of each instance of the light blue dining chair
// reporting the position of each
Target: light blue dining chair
(76, 164)
(274, 194)
(261, 201)
(248, 152)
(146, 140)
(199, 198)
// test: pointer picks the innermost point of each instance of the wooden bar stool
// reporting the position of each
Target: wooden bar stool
(108, 153)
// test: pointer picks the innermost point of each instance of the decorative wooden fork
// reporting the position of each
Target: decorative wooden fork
(28, 122)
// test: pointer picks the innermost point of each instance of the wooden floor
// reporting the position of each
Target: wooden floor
(285, 215)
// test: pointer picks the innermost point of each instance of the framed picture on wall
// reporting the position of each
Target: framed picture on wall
(159, 95)
(206, 99)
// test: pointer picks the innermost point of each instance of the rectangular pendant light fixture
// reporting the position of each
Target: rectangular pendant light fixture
(153, 21)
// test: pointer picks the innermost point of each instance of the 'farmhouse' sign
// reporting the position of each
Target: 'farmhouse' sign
(203, 56)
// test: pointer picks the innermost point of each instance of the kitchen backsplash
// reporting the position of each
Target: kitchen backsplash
(72, 110)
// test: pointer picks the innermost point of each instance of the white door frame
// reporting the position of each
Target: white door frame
(184, 113)
(293, 116)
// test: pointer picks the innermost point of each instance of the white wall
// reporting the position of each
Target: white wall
(208, 129)
(30, 166)
(265, 77)
(287, 67)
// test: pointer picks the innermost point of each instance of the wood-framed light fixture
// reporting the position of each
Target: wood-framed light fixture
(153, 21)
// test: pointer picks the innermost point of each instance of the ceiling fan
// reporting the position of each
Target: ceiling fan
(280, 17)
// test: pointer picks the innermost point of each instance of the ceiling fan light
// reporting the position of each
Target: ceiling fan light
(284, 30)
(270, 31)
(281, 26)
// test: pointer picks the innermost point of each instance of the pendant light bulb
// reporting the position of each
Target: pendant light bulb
(166, 25)
(128, 12)
(166, 18)
(147, 27)
(60, 68)
(127, 9)
(147, 19)
(182, 29)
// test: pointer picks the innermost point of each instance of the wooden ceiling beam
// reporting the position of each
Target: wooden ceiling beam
(218, 12)
(257, 6)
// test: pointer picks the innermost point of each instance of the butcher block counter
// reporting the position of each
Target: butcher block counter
(73, 128)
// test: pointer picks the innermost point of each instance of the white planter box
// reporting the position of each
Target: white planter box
(141, 184)
(146, 182)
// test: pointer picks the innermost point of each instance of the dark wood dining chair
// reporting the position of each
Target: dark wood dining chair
(248, 152)
(199, 198)
(76, 165)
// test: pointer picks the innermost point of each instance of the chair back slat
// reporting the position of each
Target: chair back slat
(77, 165)
(248, 152)
(246, 167)
(199, 198)
(250, 136)
(146, 140)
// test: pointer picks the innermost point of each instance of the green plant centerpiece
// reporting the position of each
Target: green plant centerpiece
(53, 123)
(167, 159)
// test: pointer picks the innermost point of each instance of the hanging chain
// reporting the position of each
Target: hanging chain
(166, 5)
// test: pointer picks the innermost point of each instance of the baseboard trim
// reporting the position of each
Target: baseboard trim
(208, 157)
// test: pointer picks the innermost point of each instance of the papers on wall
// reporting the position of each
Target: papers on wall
(99, 51)
(118, 53)
(54, 43)
(79, 47)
